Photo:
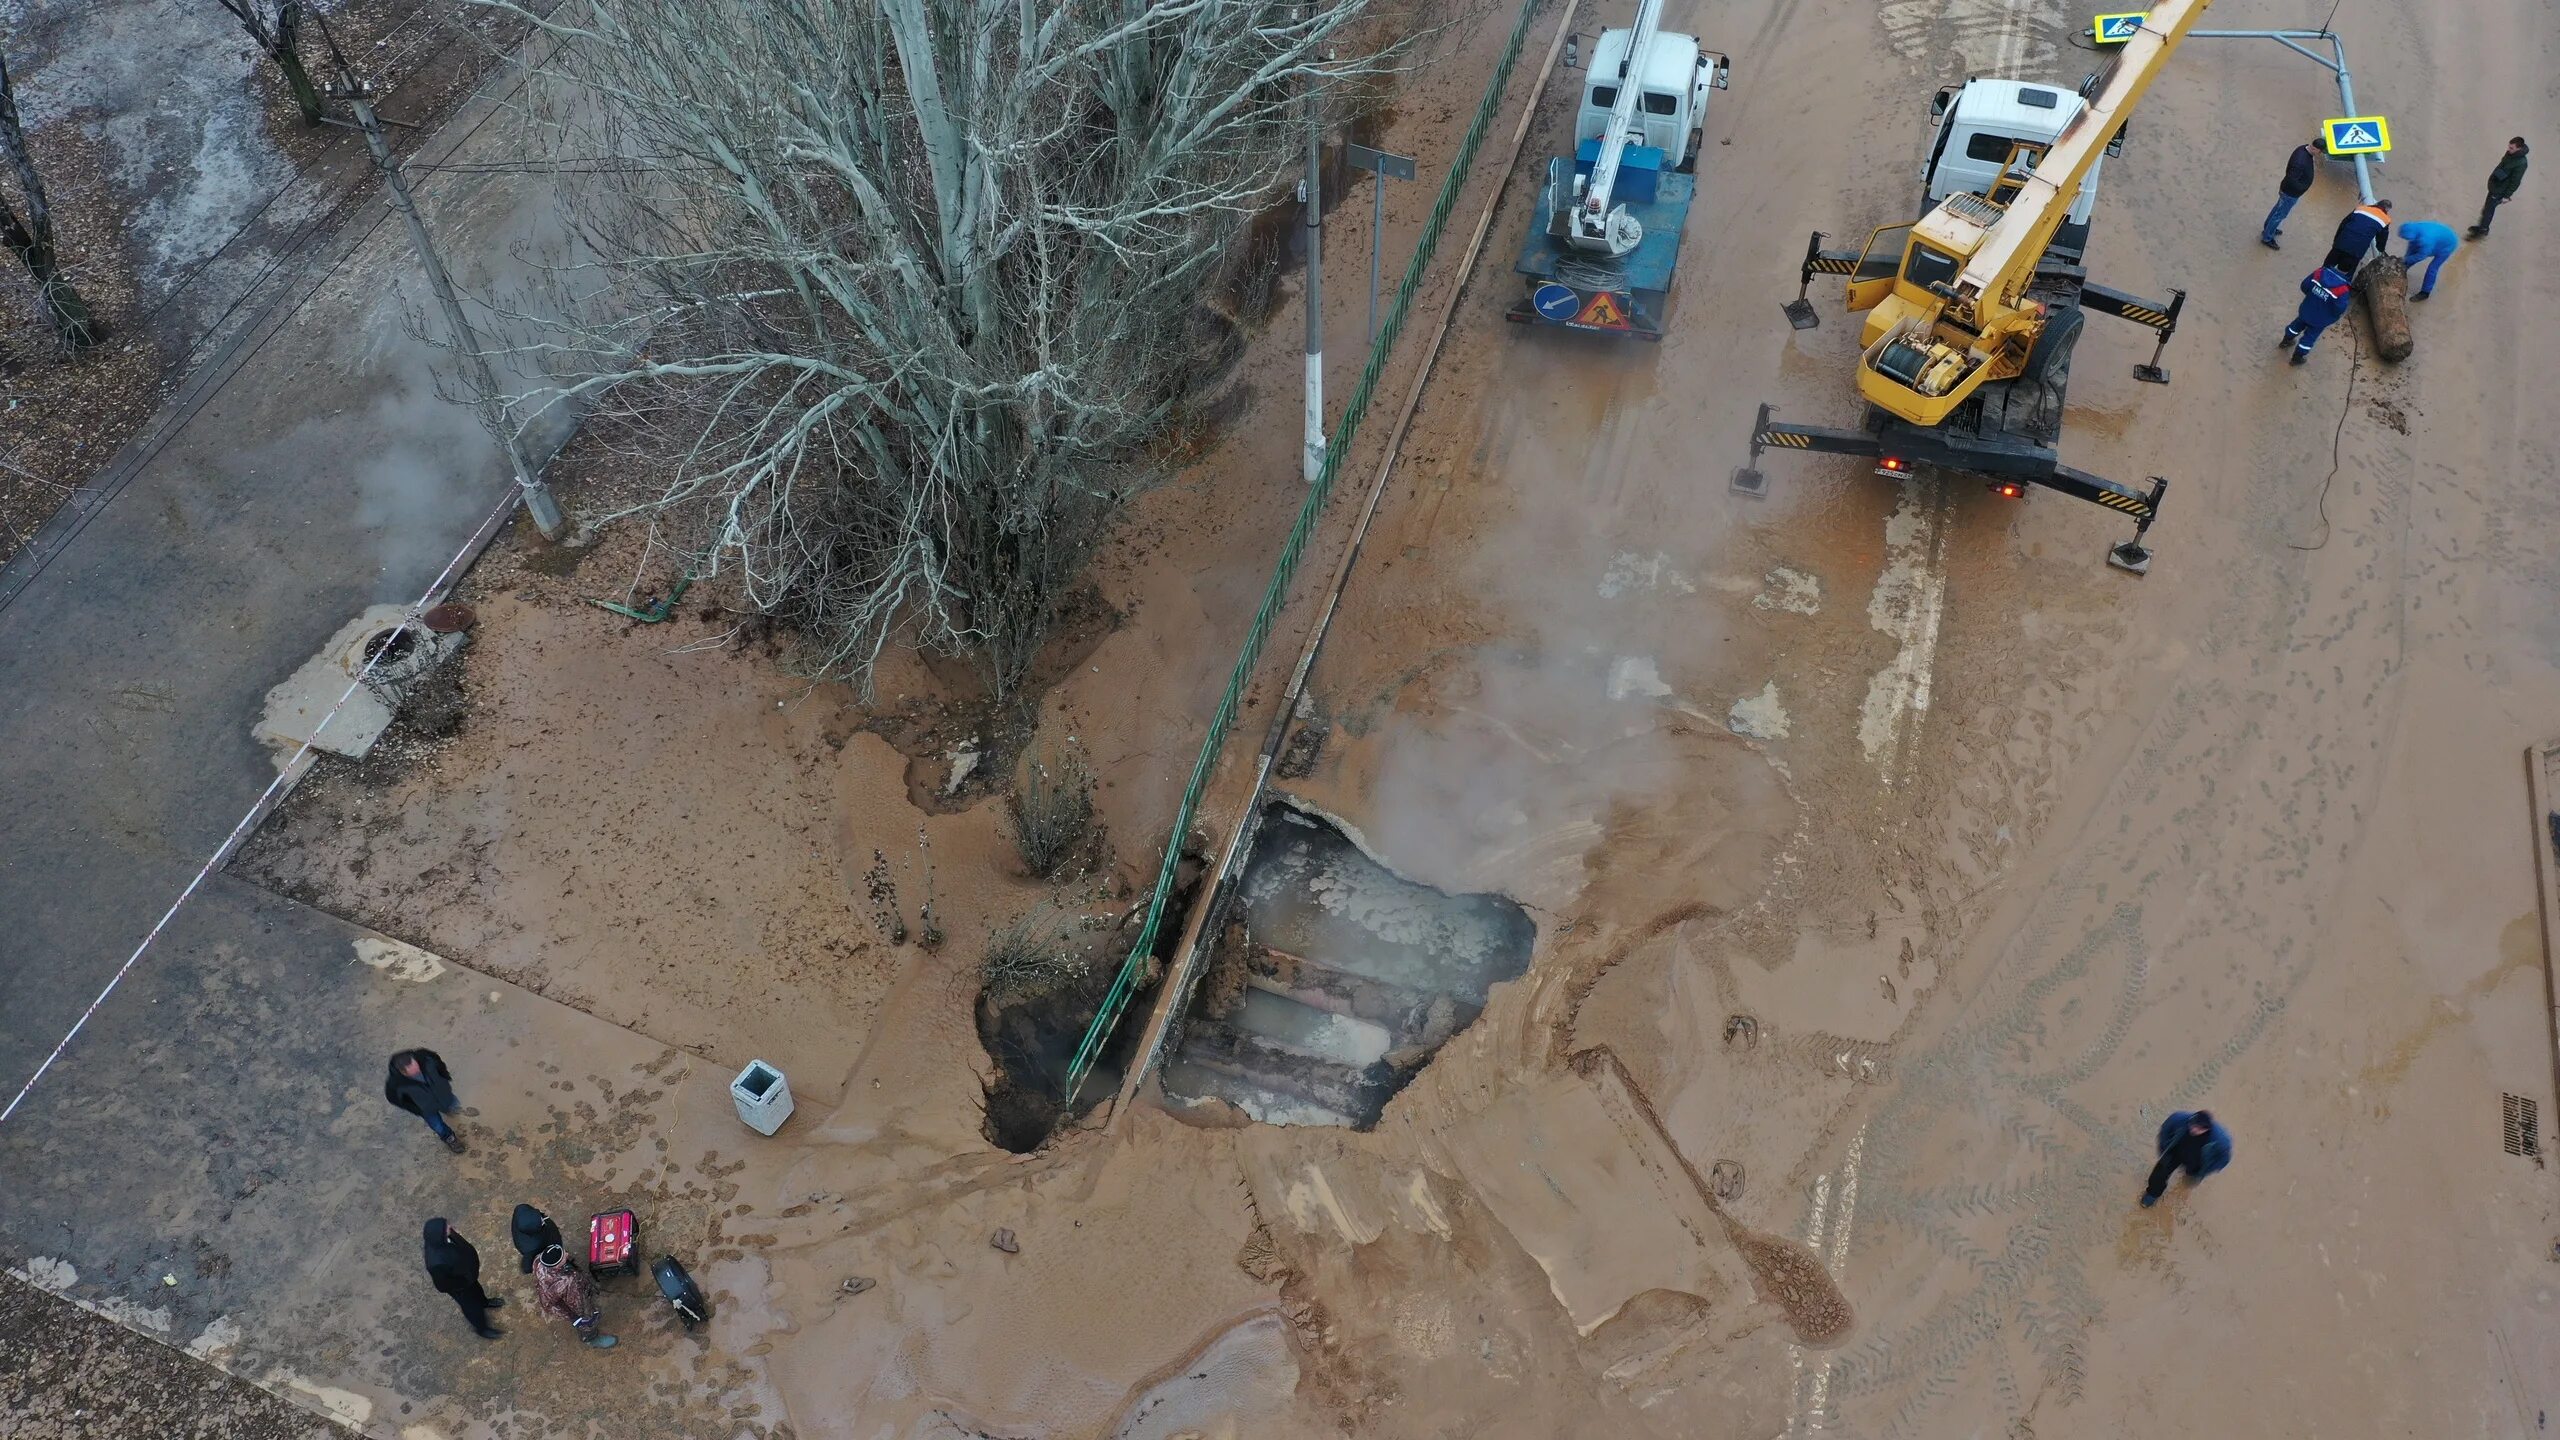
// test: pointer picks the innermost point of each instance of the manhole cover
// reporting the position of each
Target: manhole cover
(2524, 1127)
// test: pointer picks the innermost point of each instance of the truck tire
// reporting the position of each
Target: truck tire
(2042, 385)
(1689, 163)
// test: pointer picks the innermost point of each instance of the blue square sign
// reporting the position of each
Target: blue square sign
(2357, 134)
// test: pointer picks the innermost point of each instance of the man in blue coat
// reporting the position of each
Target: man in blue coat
(2190, 1140)
(2433, 243)
(2324, 303)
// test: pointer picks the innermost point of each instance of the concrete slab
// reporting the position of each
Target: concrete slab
(321, 705)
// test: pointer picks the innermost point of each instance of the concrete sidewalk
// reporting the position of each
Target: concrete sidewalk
(317, 472)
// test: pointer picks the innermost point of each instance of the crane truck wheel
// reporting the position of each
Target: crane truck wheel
(1689, 161)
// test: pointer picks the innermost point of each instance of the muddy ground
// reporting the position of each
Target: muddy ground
(1896, 866)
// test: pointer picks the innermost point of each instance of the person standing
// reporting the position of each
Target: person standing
(564, 1290)
(2299, 168)
(2365, 227)
(2432, 243)
(2190, 1140)
(420, 1083)
(534, 1233)
(2324, 303)
(2502, 183)
(455, 1268)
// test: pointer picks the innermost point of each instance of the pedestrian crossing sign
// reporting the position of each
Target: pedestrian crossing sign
(2357, 134)
(1606, 311)
(2117, 29)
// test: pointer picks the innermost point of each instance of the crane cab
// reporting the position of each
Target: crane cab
(1673, 82)
(1988, 135)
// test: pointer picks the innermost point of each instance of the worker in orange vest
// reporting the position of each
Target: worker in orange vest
(2364, 228)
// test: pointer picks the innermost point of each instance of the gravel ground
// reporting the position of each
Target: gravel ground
(66, 1374)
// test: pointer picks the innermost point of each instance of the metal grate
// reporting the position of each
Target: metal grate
(2524, 1126)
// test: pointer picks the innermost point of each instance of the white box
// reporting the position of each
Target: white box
(763, 1095)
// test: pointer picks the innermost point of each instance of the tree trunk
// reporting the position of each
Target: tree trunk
(32, 240)
(298, 80)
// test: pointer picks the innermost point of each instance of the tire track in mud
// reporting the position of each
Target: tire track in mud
(2020, 38)
(2206, 848)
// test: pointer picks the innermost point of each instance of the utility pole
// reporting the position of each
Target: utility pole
(1314, 458)
(538, 499)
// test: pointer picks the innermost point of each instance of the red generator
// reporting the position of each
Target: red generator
(613, 1244)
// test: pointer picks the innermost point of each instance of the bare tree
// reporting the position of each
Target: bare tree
(30, 237)
(910, 285)
(275, 26)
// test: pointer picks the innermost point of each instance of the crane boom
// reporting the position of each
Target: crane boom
(2009, 252)
(1956, 314)
(1595, 227)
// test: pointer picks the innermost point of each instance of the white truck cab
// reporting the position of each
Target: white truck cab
(1990, 133)
(1674, 80)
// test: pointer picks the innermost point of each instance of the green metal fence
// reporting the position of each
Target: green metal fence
(1115, 1003)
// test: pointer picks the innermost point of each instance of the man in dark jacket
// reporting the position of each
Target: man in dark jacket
(2503, 182)
(455, 1268)
(2190, 1140)
(534, 1233)
(2365, 227)
(2299, 167)
(419, 1083)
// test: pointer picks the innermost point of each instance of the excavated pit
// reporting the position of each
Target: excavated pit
(1335, 980)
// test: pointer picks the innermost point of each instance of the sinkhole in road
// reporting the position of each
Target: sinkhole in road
(1335, 980)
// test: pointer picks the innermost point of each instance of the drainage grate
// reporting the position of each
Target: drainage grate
(2524, 1127)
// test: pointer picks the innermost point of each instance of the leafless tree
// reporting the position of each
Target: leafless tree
(275, 26)
(30, 236)
(910, 285)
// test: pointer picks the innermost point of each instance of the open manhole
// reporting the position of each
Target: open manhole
(1335, 980)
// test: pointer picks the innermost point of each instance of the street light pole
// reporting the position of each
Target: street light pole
(1312, 462)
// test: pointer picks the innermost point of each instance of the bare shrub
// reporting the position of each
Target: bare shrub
(1052, 808)
(1037, 955)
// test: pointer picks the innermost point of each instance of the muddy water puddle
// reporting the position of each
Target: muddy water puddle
(1335, 979)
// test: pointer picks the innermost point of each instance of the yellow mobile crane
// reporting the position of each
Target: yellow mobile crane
(1974, 310)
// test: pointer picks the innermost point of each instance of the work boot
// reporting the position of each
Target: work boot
(453, 1143)
(2421, 295)
(2301, 355)
(2270, 242)
(2150, 1200)
(495, 1301)
(489, 1332)
(2286, 340)
(2476, 231)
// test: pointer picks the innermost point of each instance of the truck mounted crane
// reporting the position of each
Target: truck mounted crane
(1973, 311)
(1605, 238)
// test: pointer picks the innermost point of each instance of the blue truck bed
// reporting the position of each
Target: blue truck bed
(1589, 290)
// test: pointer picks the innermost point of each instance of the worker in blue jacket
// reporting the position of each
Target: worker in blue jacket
(2432, 243)
(2190, 1140)
(2324, 303)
